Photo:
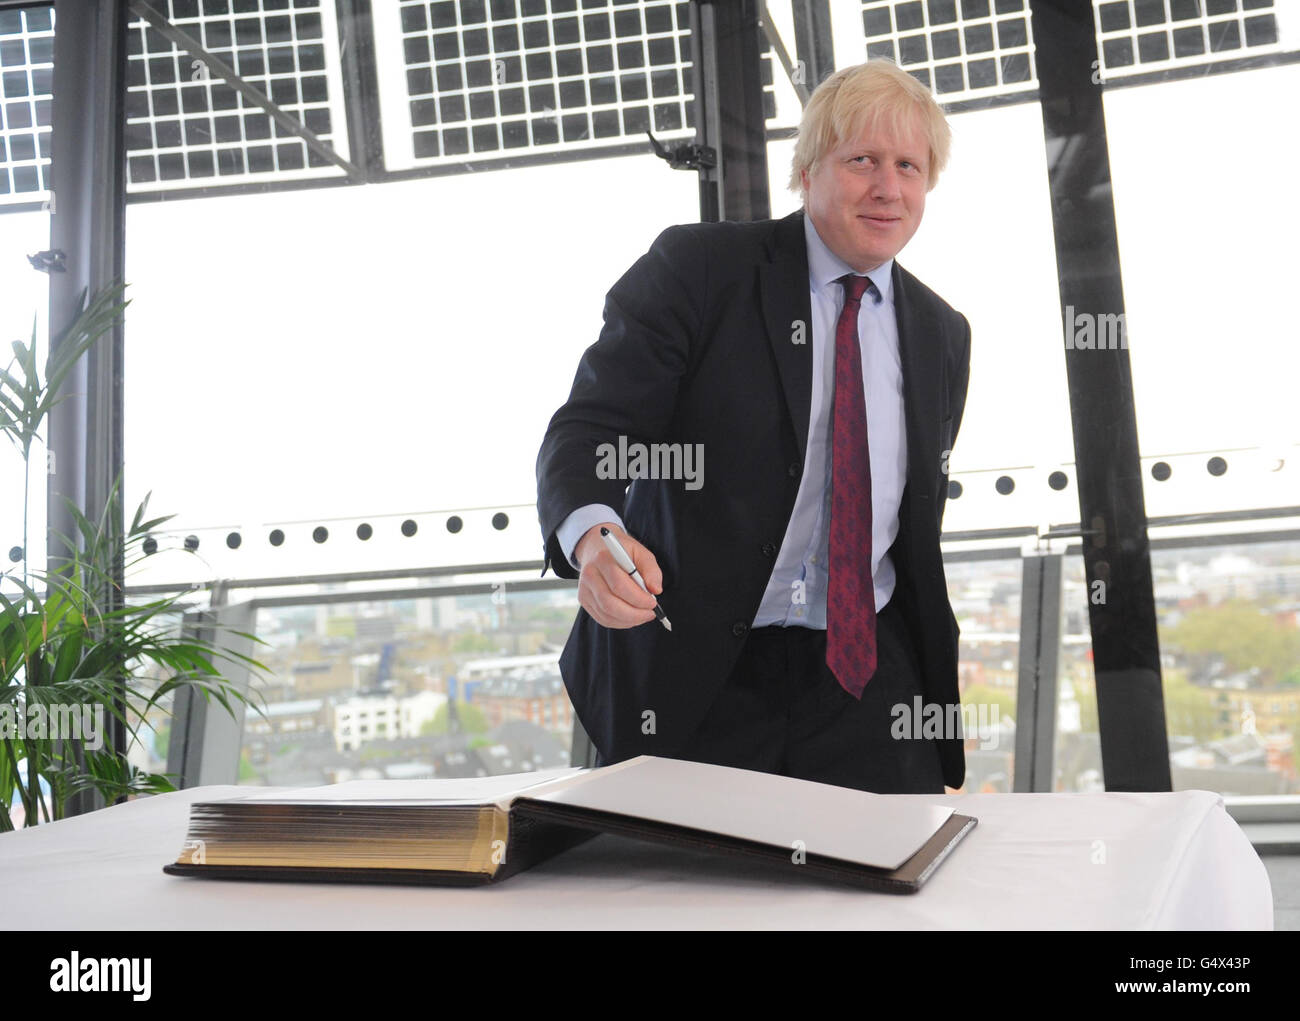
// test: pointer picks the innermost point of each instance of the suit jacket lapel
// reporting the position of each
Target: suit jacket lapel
(924, 368)
(786, 302)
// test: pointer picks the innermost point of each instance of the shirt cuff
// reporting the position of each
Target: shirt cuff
(576, 525)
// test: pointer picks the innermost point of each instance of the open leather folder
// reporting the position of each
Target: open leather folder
(472, 831)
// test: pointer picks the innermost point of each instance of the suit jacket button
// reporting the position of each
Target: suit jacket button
(769, 550)
(793, 470)
(739, 628)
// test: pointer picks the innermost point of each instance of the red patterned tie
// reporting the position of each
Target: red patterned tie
(851, 596)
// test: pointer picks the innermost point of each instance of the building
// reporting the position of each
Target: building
(371, 716)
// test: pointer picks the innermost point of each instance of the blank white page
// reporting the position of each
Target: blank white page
(871, 829)
(472, 789)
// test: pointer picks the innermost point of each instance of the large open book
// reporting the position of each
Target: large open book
(472, 831)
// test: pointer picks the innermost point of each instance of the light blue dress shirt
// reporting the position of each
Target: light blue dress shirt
(796, 590)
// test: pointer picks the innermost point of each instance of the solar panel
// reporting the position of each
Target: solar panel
(1137, 36)
(26, 94)
(186, 127)
(971, 49)
(478, 80)
(492, 78)
(962, 49)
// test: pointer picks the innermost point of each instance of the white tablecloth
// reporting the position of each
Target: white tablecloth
(1035, 861)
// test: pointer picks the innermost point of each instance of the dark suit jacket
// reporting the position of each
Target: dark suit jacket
(697, 348)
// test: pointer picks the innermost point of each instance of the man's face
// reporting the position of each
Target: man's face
(866, 196)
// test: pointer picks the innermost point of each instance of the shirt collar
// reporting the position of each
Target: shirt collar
(824, 266)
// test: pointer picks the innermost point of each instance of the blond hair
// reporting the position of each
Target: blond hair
(863, 95)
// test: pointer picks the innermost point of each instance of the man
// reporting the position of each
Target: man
(822, 387)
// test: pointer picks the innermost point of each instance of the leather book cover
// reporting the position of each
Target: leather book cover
(907, 878)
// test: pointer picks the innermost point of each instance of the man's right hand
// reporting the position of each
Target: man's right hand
(605, 590)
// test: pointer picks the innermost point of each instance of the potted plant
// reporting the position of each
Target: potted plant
(75, 653)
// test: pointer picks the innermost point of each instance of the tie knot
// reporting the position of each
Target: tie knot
(854, 286)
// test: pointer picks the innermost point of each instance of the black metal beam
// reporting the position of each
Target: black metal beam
(1037, 686)
(813, 44)
(361, 85)
(796, 73)
(87, 217)
(705, 108)
(728, 87)
(1112, 509)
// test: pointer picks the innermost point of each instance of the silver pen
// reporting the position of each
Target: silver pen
(624, 561)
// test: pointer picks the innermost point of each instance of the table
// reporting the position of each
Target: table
(1035, 861)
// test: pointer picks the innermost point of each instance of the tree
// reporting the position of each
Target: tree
(1239, 634)
(472, 641)
(1004, 702)
(1191, 711)
(472, 720)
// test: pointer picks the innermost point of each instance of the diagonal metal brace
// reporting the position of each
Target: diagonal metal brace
(774, 38)
(220, 70)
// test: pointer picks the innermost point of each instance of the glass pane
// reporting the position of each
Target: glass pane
(1207, 300)
(410, 689)
(1207, 289)
(26, 84)
(1078, 743)
(384, 355)
(1230, 646)
(985, 596)
(325, 380)
(1230, 640)
(24, 306)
